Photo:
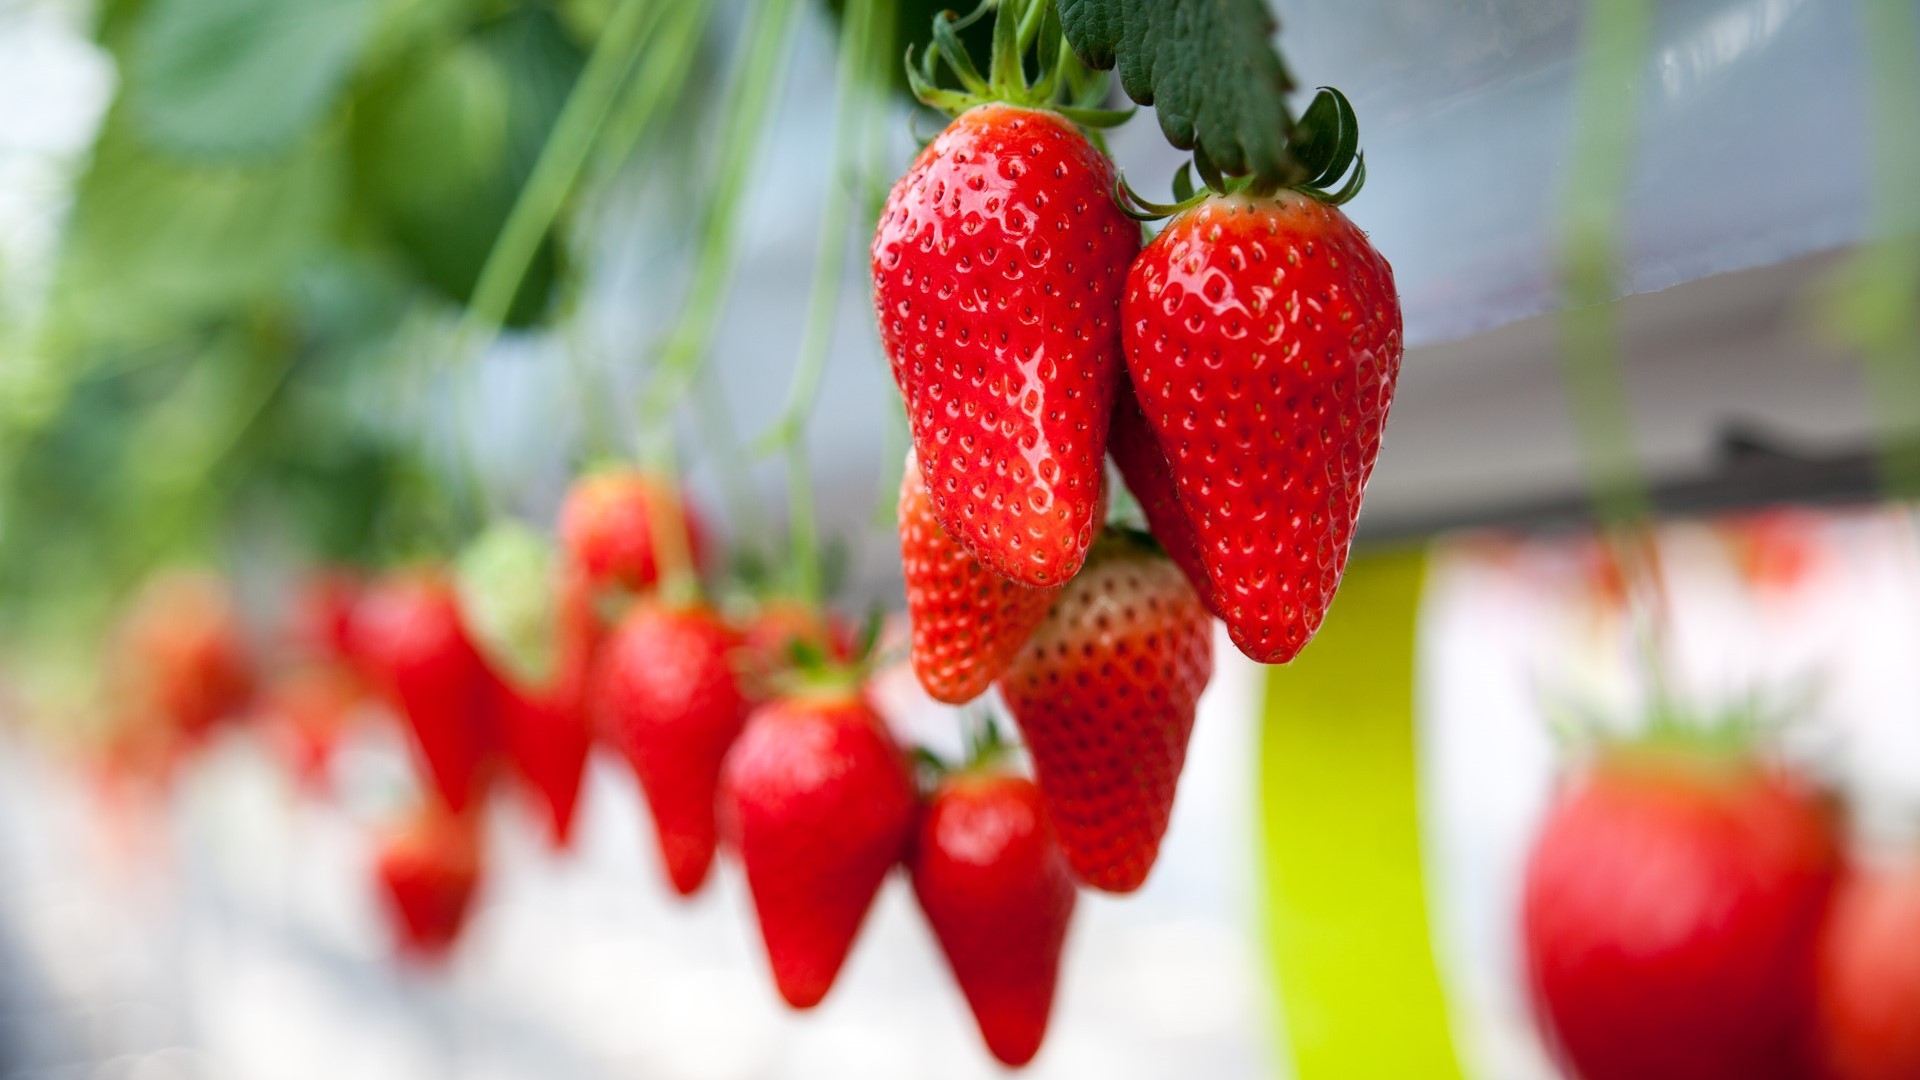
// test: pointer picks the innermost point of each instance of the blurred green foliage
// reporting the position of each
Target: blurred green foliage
(279, 190)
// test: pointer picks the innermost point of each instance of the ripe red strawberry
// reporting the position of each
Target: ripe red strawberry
(427, 870)
(998, 268)
(968, 622)
(544, 728)
(665, 695)
(1867, 990)
(1143, 465)
(607, 526)
(1670, 908)
(179, 655)
(408, 632)
(1105, 693)
(768, 639)
(1263, 339)
(997, 891)
(304, 712)
(320, 623)
(819, 803)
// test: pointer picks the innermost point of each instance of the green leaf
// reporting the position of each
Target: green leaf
(155, 244)
(241, 77)
(443, 143)
(1208, 67)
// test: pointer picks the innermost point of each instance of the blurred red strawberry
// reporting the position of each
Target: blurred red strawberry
(990, 876)
(179, 654)
(608, 526)
(819, 803)
(427, 869)
(1867, 990)
(1670, 909)
(304, 713)
(780, 625)
(544, 728)
(408, 632)
(665, 695)
(320, 623)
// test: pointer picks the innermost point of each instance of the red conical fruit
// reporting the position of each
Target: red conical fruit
(1670, 908)
(990, 876)
(1867, 987)
(408, 633)
(665, 695)
(427, 870)
(607, 525)
(968, 622)
(819, 803)
(1105, 693)
(998, 268)
(1263, 339)
(545, 728)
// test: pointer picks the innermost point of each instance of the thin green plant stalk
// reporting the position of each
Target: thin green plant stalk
(1607, 118)
(568, 146)
(823, 306)
(657, 85)
(760, 68)
(1874, 302)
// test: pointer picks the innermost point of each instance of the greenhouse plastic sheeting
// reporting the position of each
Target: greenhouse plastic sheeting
(1748, 107)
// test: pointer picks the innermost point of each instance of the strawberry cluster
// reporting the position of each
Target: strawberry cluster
(1237, 369)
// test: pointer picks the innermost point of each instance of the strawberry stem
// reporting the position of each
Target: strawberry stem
(816, 340)
(757, 72)
(1596, 389)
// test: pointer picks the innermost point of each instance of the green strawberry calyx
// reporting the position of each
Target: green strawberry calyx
(1325, 147)
(1062, 85)
(986, 752)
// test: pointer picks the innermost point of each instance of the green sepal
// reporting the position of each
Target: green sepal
(1095, 118)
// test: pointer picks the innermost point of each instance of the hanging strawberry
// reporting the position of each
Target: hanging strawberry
(665, 695)
(998, 269)
(1104, 694)
(427, 868)
(409, 633)
(1670, 913)
(818, 801)
(1263, 338)
(999, 896)
(968, 622)
(608, 526)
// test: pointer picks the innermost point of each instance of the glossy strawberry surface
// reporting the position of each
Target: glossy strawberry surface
(1867, 989)
(665, 695)
(998, 268)
(968, 622)
(818, 802)
(408, 632)
(1104, 694)
(1263, 338)
(990, 877)
(1143, 466)
(1669, 914)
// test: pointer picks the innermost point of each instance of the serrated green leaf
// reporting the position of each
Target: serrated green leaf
(1208, 67)
(241, 77)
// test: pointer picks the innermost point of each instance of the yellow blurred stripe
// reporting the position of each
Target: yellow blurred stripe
(1340, 836)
